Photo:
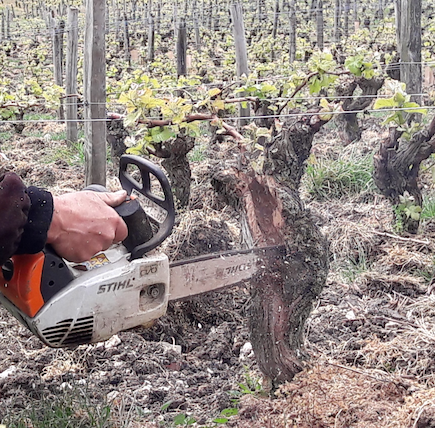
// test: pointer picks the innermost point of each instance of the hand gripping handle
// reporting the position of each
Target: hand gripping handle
(148, 199)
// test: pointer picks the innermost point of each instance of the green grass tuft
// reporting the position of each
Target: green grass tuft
(428, 211)
(72, 408)
(354, 269)
(197, 154)
(73, 154)
(336, 178)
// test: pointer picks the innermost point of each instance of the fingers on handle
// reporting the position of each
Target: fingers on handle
(121, 231)
(113, 199)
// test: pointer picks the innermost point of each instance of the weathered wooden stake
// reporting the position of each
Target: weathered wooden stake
(8, 23)
(241, 52)
(57, 49)
(319, 18)
(159, 18)
(410, 46)
(275, 26)
(151, 38)
(181, 49)
(197, 34)
(346, 18)
(94, 79)
(71, 75)
(337, 21)
(355, 13)
(3, 26)
(127, 55)
(293, 24)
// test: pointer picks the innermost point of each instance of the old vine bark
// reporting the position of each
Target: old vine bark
(177, 166)
(397, 163)
(348, 122)
(273, 214)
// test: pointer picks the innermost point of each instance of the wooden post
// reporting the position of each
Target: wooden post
(127, 55)
(71, 75)
(241, 52)
(182, 49)
(319, 18)
(275, 26)
(355, 12)
(380, 11)
(398, 16)
(410, 47)
(337, 21)
(159, 18)
(57, 49)
(346, 18)
(107, 17)
(175, 18)
(133, 10)
(117, 20)
(8, 23)
(293, 24)
(210, 15)
(313, 10)
(197, 34)
(151, 38)
(94, 79)
(3, 25)
(275, 19)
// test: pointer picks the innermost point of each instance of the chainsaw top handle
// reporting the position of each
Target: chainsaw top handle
(163, 208)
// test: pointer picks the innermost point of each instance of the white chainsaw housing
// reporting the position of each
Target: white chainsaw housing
(113, 294)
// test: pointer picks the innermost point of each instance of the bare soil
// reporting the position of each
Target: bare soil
(370, 338)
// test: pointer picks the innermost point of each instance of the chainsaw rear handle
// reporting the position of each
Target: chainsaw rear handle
(147, 199)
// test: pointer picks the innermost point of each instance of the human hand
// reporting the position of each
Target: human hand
(85, 223)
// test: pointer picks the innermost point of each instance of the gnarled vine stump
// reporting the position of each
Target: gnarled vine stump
(397, 164)
(273, 214)
(348, 122)
(177, 166)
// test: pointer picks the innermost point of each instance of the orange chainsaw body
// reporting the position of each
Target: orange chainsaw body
(24, 287)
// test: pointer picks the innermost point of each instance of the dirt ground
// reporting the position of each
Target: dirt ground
(370, 336)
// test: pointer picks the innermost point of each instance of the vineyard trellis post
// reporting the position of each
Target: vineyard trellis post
(71, 75)
(241, 52)
(57, 42)
(355, 13)
(197, 34)
(151, 38)
(346, 18)
(117, 20)
(159, 17)
(276, 13)
(408, 13)
(94, 80)
(337, 18)
(8, 23)
(3, 26)
(275, 26)
(127, 54)
(181, 48)
(175, 18)
(293, 24)
(319, 20)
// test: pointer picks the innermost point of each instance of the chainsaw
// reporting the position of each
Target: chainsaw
(68, 304)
